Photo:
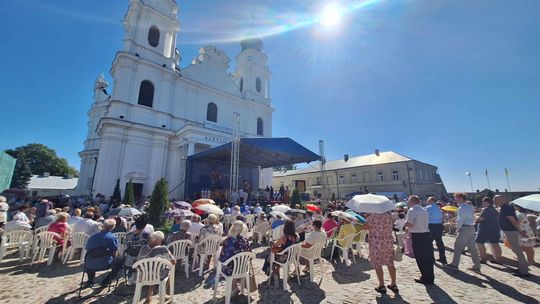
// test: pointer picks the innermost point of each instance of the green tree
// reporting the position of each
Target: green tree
(159, 202)
(41, 159)
(285, 168)
(117, 196)
(21, 174)
(129, 197)
(296, 199)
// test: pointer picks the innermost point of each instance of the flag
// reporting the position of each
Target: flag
(468, 173)
(506, 172)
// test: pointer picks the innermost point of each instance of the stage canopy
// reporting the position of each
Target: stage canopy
(263, 152)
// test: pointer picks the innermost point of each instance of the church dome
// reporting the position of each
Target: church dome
(252, 43)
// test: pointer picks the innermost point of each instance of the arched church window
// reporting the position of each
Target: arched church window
(258, 84)
(146, 94)
(211, 112)
(241, 84)
(153, 36)
(260, 126)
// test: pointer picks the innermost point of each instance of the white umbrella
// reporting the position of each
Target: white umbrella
(279, 214)
(344, 215)
(211, 209)
(370, 203)
(531, 202)
(281, 208)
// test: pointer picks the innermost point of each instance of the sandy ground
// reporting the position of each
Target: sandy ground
(22, 283)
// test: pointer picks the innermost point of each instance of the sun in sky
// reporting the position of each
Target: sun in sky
(331, 15)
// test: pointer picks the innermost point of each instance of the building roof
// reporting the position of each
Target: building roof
(353, 162)
(52, 182)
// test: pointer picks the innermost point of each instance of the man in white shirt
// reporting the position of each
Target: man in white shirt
(257, 209)
(87, 225)
(196, 225)
(75, 218)
(417, 221)
(314, 238)
(465, 233)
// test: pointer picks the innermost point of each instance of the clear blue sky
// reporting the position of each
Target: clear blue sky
(454, 83)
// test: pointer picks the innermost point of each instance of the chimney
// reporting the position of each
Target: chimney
(377, 152)
(46, 174)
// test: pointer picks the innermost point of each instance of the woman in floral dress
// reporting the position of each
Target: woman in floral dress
(381, 248)
(527, 239)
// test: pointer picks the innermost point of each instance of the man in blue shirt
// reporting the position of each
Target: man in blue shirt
(103, 240)
(465, 236)
(436, 227)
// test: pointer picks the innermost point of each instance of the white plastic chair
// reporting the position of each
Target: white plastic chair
(250, 221)
(121, 236)
(21, 239)
(257, 231)
(241, 266)
(211, 248)
(333, 233)
(311, 254)
(344, 249)
(78, 241)
(45, 242)
(149, 274)
(36, 232)
(292, 253)
(276, 233)
(361, 243)
(180, 251)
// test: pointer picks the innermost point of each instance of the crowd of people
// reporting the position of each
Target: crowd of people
(416, 225)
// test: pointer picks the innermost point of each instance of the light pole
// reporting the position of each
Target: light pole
(470, 180)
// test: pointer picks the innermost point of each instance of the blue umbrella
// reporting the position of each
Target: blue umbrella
(360, 218)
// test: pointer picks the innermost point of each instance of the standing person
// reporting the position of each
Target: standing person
(488, 232)
(527, 238)
(417, 222)
(43, 207)
(510, 227)
(271, 193)
(436, 227)
(465, 233)
(381, 248)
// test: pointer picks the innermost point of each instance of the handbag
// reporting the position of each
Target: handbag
(252, 282)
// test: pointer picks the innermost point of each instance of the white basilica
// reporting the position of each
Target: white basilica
(157, 114)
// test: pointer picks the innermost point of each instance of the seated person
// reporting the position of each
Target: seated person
(176, 226)
(136, 239)
(399, 224)
(156, 249)
(234, 243)
(46, 220)
(288, 239)
(106, 240)
(345, 230)
(182, 234)
(75, 218)
(196, 225)
(19, 220)
(315, 237)
(261, 226)
(87, 225)
(330, 225)
(120, 225)
(61, 227)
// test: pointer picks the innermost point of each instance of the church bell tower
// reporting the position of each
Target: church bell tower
(252, 73)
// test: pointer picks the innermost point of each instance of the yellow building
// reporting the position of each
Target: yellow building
(384, 173)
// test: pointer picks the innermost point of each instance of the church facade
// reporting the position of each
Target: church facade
(157, 114)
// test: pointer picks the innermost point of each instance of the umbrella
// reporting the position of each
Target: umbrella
(124, 212)
(313, 208)
(178, 213)
(202, 201)
(279, 214)
(181, 205)
(295, 211)
(281, 208)
(209, 208)
(401, 205)
(450, 208)
(360, 218)
(344, 215)
(370, 203)
(531, 202)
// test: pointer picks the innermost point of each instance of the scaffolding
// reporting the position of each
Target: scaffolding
(235, 155)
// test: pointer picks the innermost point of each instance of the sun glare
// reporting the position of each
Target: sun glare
(331, 15)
